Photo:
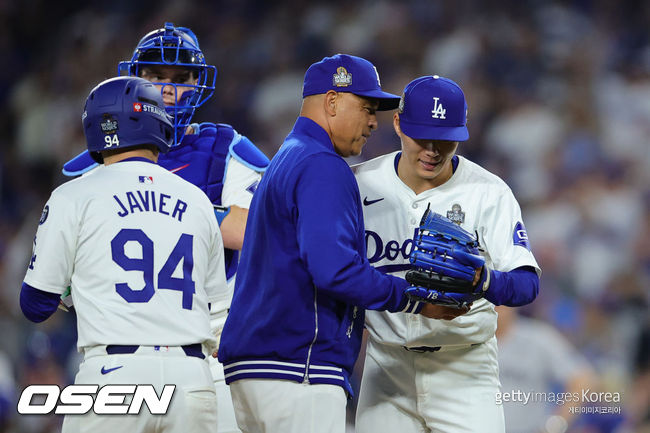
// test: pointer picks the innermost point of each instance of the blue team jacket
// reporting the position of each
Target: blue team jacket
(304, 282)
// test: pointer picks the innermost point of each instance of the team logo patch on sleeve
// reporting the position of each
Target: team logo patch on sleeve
(46, 212)
(520, 236)
(253, 187)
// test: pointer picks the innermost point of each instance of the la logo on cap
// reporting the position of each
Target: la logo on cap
(342, 78)
(438, 110)
(377, 74)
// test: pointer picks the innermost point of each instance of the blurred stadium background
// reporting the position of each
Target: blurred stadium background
(559, 107)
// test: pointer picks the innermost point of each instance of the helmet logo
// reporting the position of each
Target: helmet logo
(139, 107)
(109, 124)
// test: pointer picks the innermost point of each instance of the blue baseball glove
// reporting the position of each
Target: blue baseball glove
(446, 259)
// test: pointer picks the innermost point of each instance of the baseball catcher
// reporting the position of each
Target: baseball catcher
(448, 267)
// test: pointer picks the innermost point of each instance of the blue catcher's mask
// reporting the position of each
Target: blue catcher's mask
(175, 46)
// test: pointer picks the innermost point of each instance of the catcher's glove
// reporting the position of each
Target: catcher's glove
(446, 259)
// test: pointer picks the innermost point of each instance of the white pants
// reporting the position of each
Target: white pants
(226, 422)
(282, 406)
(193, 408)
(447, 391)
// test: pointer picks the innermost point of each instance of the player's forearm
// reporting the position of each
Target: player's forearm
(233, 227)
(37, 305)
(514, 288)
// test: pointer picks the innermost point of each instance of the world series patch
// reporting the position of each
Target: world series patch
(109, 124)
(342, 78)
(456, 214)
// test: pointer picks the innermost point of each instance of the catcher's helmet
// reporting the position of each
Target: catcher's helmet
(175, 46)
(125, 112)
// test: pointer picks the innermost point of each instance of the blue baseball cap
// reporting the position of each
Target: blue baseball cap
(433, 108)
(345, 73)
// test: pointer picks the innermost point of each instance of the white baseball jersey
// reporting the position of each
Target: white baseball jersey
(141, 250)
(238, 188)
(239, 185)
(477, 199)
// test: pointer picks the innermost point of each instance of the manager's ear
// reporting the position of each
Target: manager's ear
(396, 126)
(331, 101)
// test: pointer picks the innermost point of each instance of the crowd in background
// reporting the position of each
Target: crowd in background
(559, 107)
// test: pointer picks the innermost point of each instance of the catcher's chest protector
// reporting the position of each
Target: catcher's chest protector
(201, 159)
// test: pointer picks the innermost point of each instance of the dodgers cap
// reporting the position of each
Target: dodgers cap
(433, 108)
(345, 73)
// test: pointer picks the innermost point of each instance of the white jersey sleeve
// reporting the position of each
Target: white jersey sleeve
(502, 233)
(474, 198)
(136, 243)
(240, 184)
(54, 247)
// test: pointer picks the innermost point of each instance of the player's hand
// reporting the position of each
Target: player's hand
(441, 312)
(214, 354)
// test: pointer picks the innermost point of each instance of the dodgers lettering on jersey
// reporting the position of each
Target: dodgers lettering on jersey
(391, 251)
(150, 201)
(473, 198)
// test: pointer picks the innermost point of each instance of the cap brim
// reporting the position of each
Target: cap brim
(431, 132)
(387, 101)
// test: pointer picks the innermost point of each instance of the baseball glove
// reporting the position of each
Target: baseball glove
(445, 258)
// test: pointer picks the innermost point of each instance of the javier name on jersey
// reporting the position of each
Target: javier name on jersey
(150, 201)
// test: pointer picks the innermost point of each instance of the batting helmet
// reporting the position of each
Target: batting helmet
(125, 112)
(175, 46)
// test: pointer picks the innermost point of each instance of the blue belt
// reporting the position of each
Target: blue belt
(189, 349)
(422, 349)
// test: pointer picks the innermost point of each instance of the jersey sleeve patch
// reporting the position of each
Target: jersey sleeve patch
(44, 215)
(520, 236)
(253, 187)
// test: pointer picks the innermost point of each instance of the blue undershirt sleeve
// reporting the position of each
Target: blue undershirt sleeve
(36, 304)
(514, 288)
